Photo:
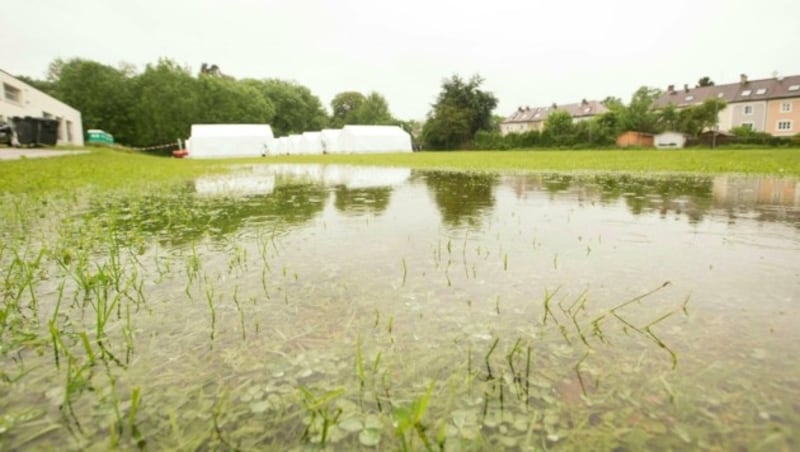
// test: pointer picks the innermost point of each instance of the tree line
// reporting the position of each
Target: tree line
(160, 103)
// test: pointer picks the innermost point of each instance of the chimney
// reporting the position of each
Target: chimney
(671, 89)
(527, 108)
(686, 87)
(555, 105)
(520, 109)
(584, 102)
(743, 79)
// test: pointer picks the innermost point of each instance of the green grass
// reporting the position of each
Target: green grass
(105, 169)
(761, 161)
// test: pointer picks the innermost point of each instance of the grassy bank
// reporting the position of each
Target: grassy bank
(111, 169)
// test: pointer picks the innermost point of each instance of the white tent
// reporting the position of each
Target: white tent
(330, 141)
(365, 176)
(230, 140)
(374, 139)
(277, 148)
(295, 145)
(312, 143)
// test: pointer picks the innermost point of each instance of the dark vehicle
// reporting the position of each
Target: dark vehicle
(5, 133)
(35, 131)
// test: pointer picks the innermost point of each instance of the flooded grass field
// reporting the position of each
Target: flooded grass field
(294, 307)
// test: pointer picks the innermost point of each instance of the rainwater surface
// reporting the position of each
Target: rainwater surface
(292, 307)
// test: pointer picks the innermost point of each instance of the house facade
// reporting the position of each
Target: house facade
(766, 105)
(17, 98)
(526, 119)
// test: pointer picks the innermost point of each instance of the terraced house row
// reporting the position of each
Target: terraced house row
(770, 105)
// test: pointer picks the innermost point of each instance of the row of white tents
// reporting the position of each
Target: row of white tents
(252, 140)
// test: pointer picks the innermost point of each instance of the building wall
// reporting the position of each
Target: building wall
(776, 114)
(669, 140)
(725, 119)
(755, 115)
(520, 127)
(20, 99)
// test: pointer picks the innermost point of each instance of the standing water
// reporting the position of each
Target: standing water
(285, 306)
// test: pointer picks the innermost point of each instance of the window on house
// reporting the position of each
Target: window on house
(13, 94)
(689, 98)
(747, 92)
(748, 109)
(721, 95)
(748, 125)
(785, 125)
(786, 107)
(794, 88)
(761, 91)
(68, 126)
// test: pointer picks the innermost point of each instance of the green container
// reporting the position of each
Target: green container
(97, 136)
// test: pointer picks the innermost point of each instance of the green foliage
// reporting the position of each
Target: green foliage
(167, 103)
(160, 104)
(705, 81)
(460, 110)
(695, 119)
(102, 94)
(351, 107)
(641, 114)
(559, 129)
(297, 110)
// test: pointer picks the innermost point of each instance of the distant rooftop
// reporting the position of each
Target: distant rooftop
(577, 110)
(743, 91)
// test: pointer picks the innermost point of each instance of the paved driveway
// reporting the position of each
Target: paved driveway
(16, 153)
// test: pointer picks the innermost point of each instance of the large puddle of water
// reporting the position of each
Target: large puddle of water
(288, 306)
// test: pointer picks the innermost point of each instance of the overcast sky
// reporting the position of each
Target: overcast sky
(530, 52)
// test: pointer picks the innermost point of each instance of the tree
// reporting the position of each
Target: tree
(695, 119)
(668, 117)
(559, 128)
(351, 107)
(297, 110)
(705, 81)
(641, 114)
(100, 92)
(449, 128)
(375, 110)
(345, 106)
(168, 102)
(461, 109)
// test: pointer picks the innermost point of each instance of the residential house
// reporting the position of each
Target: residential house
(769, 105)
(17, 98)
(526, 119)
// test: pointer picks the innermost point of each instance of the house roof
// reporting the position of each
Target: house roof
(577, 110)
(743, 91)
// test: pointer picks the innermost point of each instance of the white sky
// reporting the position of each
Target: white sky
(531, 52)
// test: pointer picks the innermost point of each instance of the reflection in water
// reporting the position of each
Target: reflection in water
(771, 198)
(690, 195)
(362, 200)
(182, 217)
(462, 198)
(547, 323)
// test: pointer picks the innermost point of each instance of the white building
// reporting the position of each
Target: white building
(312, 143)
(230, 140)
(374, 139)
(669, 140)
(20, 99)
